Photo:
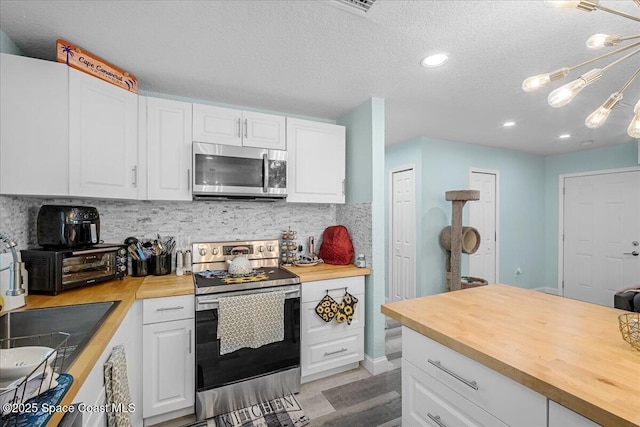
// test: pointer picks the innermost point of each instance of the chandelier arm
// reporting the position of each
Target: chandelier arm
(628, 82)
(620, 59)
(617, 12)
(613, 52)
(625, 38)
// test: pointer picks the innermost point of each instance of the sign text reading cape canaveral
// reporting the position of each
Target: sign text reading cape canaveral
(73, 56)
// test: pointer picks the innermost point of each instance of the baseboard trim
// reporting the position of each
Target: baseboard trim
(548, 290)
(376, 366)
(169, 416)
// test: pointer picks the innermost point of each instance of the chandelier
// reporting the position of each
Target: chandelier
(564, 94)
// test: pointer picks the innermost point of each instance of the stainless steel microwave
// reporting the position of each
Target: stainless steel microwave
(227, 171)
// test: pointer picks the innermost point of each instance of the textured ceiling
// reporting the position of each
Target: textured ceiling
(315, 59)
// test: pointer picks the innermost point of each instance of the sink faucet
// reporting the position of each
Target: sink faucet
(15, 268)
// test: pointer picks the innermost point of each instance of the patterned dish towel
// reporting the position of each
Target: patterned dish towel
(116, 386)
(250, 320)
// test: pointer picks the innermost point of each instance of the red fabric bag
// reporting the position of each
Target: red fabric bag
(336, 247)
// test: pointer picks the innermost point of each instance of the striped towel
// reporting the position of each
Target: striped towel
(250, 320)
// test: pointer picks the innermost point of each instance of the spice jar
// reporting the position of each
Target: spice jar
(361, 261)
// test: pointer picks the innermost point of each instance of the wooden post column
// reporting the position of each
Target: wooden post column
(457, 198)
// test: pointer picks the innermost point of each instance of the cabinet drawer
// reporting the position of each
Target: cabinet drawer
(426, 401)
(506, 399)
(315, 291)
(166, 309)
(336, 351)
(314, 328)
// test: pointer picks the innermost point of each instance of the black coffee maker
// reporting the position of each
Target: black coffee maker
(71, 227)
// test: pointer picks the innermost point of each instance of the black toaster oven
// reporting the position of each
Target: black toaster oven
(52, 271)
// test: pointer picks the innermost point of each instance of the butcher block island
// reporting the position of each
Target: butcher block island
(501, 355)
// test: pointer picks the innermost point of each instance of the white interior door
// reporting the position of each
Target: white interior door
(601, 223)
(403, 235)
(483, 216)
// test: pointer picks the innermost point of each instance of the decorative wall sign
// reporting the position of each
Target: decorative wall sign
(75, 57)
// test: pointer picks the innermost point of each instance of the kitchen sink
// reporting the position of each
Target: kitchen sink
(80, 321)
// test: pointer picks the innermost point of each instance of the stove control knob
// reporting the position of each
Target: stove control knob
(270, 248)
(261, 248)
(215, 251)
(202, 251)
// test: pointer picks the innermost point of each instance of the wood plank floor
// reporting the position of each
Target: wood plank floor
(353, 398)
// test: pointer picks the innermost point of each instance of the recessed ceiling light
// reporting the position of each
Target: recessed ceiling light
(564, 136)
(434, 60)
(508, 124)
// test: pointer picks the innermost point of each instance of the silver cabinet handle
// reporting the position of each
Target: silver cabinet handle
(239, 126)
(436, 419)
(189, 341)
(188, 179)
(245, 128)
(134, 180)
(437, 364)
(342, 350)
(343, 187)
(177, 307)
(634, 253)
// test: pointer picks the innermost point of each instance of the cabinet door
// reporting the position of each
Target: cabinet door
(169, 367)
(264, 131)
(34, 126)
(217, 125)
(103, 138)
(168, 150)
(316, 163)
(560, 416)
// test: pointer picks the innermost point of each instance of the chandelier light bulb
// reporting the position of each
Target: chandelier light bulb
(600, 115)
(564, 94)
(536, 82)
(563, 4)
(634, 127)
(598, 41)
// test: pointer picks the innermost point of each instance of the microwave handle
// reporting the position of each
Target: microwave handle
(265, 172)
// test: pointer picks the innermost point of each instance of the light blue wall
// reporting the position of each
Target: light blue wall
(614, 157)
(8, 46)
(365, 173)
(444, 166)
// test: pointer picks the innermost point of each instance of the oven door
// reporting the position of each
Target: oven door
(230, 171)
(214, 370)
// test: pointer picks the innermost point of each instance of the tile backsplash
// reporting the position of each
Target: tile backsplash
(186, 220)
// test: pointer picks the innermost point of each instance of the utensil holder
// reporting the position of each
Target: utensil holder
(140, 267)
(159, 265)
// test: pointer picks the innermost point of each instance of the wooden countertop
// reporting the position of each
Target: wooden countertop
(570, 351)
(165, 286)
(327, 271)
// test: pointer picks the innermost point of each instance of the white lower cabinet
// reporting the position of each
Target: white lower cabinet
(328, 347)
(447, 371)
(426, 402)
(559, 416)
(92, 392)
(168, 371)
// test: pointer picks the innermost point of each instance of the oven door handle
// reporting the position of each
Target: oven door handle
(216, 301)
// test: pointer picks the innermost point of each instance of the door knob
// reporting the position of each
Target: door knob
(634, 253)
(635, 243)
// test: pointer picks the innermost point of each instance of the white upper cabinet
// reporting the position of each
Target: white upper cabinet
(217, 125)
(264, 131)
(34, 126)
(168, 149)
(316, 163)
(227, 126)
(103, 139)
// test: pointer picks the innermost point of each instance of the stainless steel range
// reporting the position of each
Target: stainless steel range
(247, 376)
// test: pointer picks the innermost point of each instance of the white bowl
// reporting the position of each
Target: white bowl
(21, 361)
